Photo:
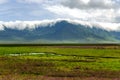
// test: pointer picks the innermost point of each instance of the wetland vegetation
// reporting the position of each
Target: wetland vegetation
(60, 62)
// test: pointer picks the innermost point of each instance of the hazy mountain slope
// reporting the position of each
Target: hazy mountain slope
(116, 34)
(61, 31)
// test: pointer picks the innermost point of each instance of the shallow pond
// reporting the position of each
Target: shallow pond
(34, 53)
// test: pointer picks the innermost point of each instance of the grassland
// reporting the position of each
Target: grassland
(61, 62)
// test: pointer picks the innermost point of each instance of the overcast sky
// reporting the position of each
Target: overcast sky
(87, 10)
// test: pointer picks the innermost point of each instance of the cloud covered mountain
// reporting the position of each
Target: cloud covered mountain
(57, 31)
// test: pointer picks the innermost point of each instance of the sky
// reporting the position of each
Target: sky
(88, 10)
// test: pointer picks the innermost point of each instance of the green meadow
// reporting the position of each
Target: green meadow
(56, 62)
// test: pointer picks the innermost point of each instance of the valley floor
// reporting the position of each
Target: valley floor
(60, 62)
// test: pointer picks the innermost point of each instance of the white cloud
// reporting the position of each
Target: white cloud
(90, 10)
(92, 15)
(89, 4)
(20, 25)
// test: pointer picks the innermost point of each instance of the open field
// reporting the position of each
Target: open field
(60, 62)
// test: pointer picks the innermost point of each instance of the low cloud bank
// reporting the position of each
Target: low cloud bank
(20, 25)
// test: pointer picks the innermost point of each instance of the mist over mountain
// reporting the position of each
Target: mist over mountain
(59, 31)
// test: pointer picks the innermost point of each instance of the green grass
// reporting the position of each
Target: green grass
(66, 62)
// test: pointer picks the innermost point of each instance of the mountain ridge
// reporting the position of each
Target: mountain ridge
(59, 32)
